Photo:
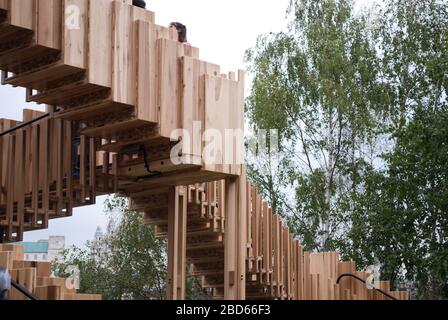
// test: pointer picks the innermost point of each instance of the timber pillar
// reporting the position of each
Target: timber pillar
(177, 239)
(235, 238)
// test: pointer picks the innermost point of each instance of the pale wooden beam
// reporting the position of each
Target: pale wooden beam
(177, 233)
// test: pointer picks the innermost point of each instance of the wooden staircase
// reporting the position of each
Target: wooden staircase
(123, 96)
(39, 176)
(122, 84)
(122, 78)
(204, 228)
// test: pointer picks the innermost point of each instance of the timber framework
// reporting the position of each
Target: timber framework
(116, 87)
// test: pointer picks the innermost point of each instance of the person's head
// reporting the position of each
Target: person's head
(139, 3)
(181, 31)
(5, 283)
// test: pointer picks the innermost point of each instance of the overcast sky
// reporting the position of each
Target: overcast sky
(223, 30)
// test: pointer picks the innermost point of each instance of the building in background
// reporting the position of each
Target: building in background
(45, 250)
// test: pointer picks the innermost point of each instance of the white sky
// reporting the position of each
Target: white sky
(223, 30)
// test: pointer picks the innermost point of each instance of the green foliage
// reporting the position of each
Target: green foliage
(318, 85)
(415, 217)
(128, 262)
(360, 101)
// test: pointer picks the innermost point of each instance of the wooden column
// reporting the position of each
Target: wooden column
(235, 239)
(177, 239)
(242, 234)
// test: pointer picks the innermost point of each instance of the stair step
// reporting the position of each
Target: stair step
(204, 246)
(155, 221)
(60, 95)
(91, 109)
(147, 139)
(205, 259)
(207, 273)
(9, 32)
(109, 131)
(19, 51)
(37, 78)
(208, 232)
(164, 234)
(212, 286)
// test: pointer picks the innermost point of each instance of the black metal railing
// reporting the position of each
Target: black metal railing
(23, 125)
(23, 290)
(365, 283)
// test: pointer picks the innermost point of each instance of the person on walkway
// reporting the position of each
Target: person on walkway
(139, 3)
(181, 31)
(5, 284)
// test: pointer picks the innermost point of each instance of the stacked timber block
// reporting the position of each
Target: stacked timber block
(36, 278)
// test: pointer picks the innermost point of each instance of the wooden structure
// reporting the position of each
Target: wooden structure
(36, 277)
(123, 94)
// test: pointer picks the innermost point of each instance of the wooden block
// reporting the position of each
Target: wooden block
(146, 71)
(43, 268)
(48, 292)
(242, 232)
(100, 43)
(142, 15)
(59, 164)
(346, 283)
(123, 54)
(67, 170)
(404, 295)
(6, 260)
(17, 251)
(3, 172)
(18, 264)
(44, 158)
(4, 4)
(222, 94)
(177, 227)
(10, 187)
(74, 44)
(27, 278)
(193, 101)
(217, 100)
(315, 288)
(49, 26)
(81, 297)
(237, 120)
(168, 100)
(230, 244)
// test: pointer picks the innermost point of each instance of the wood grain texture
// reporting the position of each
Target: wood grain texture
(75, 23)
(49, 23)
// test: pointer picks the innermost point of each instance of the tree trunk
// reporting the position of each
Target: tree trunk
(329, 187)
